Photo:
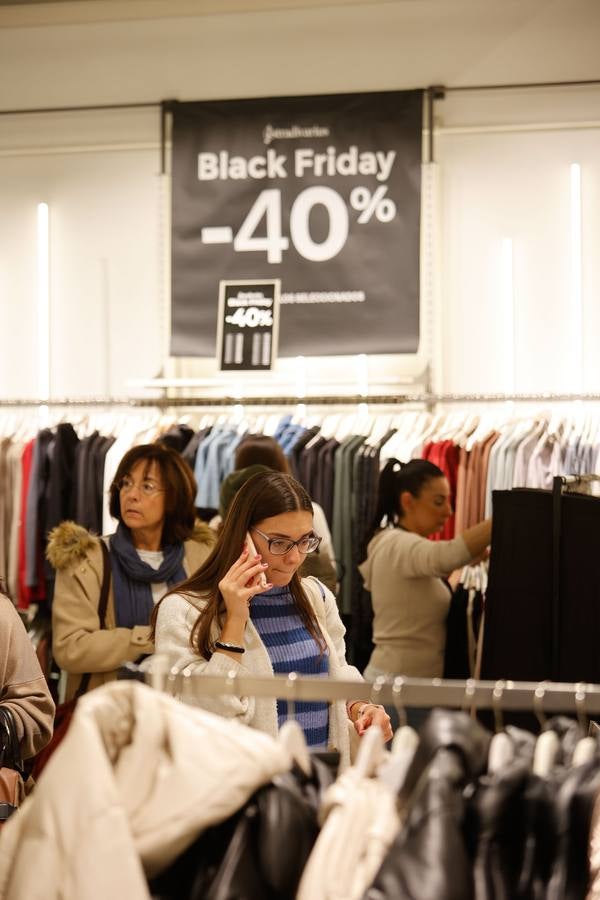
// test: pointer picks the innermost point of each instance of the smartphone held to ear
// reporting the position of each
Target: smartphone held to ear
(252, 552)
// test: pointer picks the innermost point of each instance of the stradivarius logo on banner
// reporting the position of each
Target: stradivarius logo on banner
(270, 133)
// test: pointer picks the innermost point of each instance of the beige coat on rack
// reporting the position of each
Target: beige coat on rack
(176, 618)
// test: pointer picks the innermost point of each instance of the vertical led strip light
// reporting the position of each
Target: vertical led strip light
(576, 277)
(508, 301)
(43, 301)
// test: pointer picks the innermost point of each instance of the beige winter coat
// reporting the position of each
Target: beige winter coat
(137, 778)
(78, 643)
(23, 688)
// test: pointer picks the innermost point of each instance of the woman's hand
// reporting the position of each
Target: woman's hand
(372, 714)
(240, 584)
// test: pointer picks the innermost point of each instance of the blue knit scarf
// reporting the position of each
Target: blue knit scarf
(132, 578)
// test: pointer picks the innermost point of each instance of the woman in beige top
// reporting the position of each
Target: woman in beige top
(404, 570)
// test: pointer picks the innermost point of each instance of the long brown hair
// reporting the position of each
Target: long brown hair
(264, 495)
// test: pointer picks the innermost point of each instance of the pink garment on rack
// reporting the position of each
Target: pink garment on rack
(27, 595)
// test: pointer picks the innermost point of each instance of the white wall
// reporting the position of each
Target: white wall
(100, 173)
(517, 187)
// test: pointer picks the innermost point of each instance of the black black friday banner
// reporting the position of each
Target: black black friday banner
(321, 192)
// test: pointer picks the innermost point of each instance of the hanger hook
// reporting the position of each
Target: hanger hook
(470, 689)
(497, 694)
(291, 686)
(231, 681)
(158, 671)
(186, 688)
(173, 679)
(397, 689)
(538, 704)
(375, 695)
(580, 706)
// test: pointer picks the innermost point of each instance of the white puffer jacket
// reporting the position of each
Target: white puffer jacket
(137, 778)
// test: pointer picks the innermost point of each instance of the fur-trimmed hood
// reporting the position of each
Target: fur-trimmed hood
(203, 533)
(69, 542)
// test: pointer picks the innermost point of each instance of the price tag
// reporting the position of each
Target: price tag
(248, 324)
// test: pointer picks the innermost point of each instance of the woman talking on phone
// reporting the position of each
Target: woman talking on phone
(247, 609)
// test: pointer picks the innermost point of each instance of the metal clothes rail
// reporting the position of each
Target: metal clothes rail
(428, 399)
(538, 697)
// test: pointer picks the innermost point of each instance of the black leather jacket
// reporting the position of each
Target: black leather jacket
(510, 828)
(429, 858)
(258, 854)
(506, 836)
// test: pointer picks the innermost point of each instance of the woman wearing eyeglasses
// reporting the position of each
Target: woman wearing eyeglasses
(158, 543)
(224, 618)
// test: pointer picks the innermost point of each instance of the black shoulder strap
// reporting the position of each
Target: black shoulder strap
(102, 607)
(10, 753)
(319, 585)
(106, 572)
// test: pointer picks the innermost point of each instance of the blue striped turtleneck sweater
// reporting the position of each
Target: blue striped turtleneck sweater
(292, 649)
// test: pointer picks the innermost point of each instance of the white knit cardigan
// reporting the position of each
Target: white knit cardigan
(176, 616)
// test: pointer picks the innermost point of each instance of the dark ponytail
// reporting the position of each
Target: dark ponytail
(394, 479)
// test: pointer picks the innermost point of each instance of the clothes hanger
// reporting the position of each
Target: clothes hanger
(370, 752)
(371, 749)
(406, 738)
(291, 736)
(501, 750)
(364, 420)
(469, 425)
(381, 425)
(547, 746)
(404, 745)
(586, 748)
(345, 427)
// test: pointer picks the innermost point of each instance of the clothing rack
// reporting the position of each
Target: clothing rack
(539, 697)
(428, 399)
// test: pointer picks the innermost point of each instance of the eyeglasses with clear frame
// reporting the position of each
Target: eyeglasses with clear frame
(280, 546)
(146, 487)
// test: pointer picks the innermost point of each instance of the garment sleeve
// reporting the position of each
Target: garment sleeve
(336, 630)
(417, 556)
(174, 623)
(322, 529)
(24, 690)
(78, 643)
